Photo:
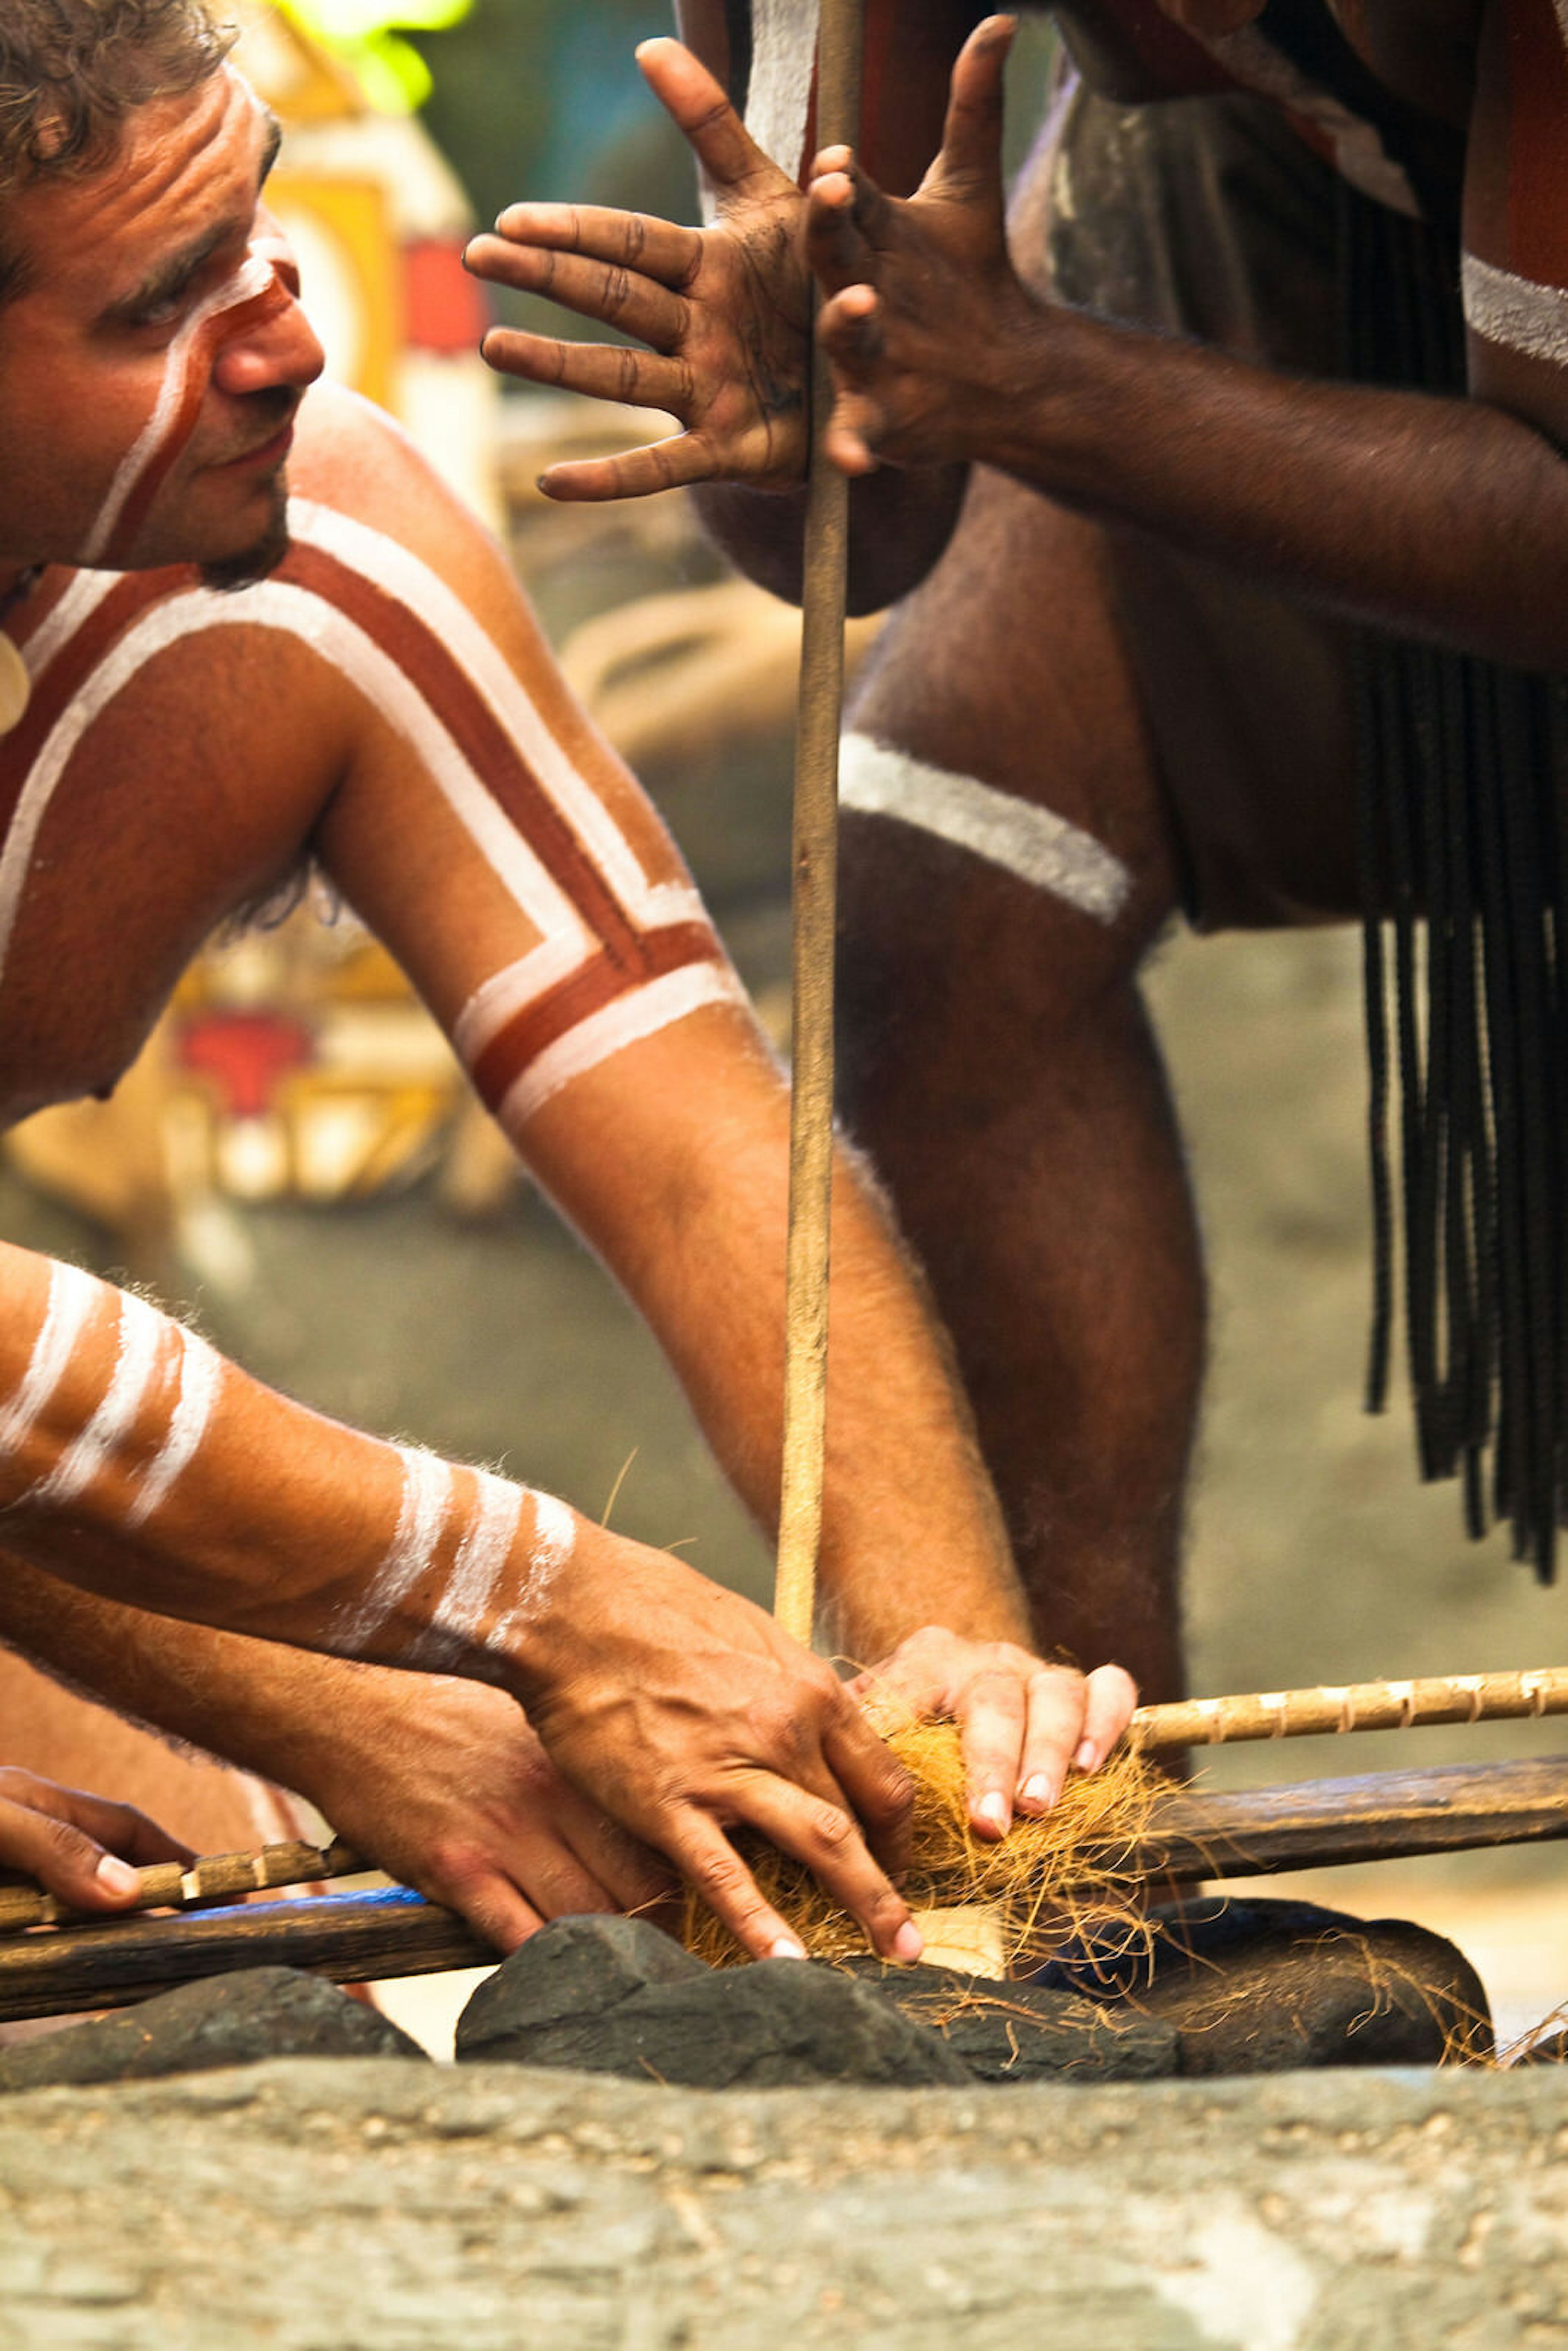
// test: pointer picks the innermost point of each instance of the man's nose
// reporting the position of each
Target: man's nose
(281, 350)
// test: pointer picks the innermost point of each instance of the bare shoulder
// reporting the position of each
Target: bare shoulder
(353, 460)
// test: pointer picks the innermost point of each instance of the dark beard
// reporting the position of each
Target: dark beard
(232, 572)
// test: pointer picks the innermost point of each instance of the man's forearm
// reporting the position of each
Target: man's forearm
(280, 1712)
(1446, 519)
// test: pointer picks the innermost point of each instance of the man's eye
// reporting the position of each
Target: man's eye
(162, 312)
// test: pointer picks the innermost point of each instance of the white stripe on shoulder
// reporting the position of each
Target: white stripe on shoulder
(276, 604)
(1033, 843)
(142, 1331)
(1517, 311)
(73, 1297)
(201, 1375)
(393, 568)
(640, 1012)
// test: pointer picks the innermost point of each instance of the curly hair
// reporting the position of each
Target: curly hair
(72, 70)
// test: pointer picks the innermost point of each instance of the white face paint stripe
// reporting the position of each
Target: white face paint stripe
(783, 66)
(410, 1554)
(1515, 311)
(252, 277)
(73, 1300)
(201, 1377)
(640, 1012)
(1036, 845)
(295, 612)
(392, 568)
(142, 1331)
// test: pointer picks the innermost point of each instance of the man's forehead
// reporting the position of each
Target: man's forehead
(184, 164)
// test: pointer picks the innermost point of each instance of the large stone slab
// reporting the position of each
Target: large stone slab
(350, 2206)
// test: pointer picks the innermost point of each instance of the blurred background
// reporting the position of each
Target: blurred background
(294, 1163)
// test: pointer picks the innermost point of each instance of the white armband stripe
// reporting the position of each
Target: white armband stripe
(640, 1013)
(1515, 311)
(142, 1331)
(201, 1375)
(1029, 841)
(73, 1298)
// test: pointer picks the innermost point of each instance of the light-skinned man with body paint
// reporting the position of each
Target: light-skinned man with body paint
(1184, 576)
(243, 628)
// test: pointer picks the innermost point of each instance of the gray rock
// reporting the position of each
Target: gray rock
(233, 2020)
(1263, 1987)
(584, 1992)
(1029, 2031)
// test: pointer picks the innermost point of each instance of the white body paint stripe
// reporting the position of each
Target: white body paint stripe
(640, 1013)
(421, 1521)
(252, 277)
(73, 1298)
(1516, 311)
(509, 991)
(783, 63)
(1039, 847)
(295, 612)
(403, 575)
(482, 1556)
(142, 1331)
(555, 1541)
(201, 1377)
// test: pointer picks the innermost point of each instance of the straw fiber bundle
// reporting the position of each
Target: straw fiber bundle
(1073, 1873)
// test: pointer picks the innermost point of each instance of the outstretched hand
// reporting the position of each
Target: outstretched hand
(1022, 1723)
(725, 311)
(924, 299)
(83, 1849)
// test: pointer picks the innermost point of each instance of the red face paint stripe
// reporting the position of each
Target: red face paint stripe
(222, 326)
(72, 667)
(539, 1026)
(478, 734)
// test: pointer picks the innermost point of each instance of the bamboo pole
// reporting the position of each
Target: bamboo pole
(1354, 1706)
(814, 867)
(169, 1886)
(356, 1938)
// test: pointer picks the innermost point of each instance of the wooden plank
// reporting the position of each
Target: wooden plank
(352, 1937)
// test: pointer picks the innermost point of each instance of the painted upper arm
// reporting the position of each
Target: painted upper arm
(1515, 267)
(489, 835)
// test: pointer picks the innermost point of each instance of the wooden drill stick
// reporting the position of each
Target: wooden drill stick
(1356, 1706)
(170, 1885)
(815, 899)
(357, 1938)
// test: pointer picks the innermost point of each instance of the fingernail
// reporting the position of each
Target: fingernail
(995, 1809)
(786, 1947)
(116, 1876)
(1087, 1757)
(908, 1943)
(1036, 1789)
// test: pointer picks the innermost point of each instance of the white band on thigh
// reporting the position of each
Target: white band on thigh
(1039, 847)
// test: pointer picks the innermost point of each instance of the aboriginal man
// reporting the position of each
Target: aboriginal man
(1209, 529)
(245, 628)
